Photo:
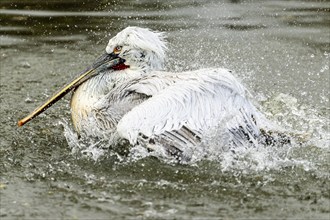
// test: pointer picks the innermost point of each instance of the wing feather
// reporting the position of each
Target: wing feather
(194, 101)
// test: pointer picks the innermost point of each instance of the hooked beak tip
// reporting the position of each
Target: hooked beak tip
(23, 121)
(20, 123)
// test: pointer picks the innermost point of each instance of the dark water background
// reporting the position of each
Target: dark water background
(279, 49)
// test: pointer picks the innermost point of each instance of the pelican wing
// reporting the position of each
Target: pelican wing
(181, 107)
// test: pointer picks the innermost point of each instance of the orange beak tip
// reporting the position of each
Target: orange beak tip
(20, 123)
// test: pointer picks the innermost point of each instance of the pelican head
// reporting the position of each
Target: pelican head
(140, 47)
(135, 48)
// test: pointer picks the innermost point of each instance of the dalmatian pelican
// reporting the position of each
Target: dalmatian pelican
(126, 93)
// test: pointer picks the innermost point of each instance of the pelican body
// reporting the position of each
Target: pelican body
(126, 95)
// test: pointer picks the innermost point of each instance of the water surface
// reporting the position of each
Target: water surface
(278, 49)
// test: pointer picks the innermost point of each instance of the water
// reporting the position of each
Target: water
(278, 49)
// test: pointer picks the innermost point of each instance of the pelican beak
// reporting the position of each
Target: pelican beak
(104, 62)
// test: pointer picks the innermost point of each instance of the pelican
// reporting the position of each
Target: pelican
(126, 95)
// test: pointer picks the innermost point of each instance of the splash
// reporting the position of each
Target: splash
(304, 122)
(308, 131)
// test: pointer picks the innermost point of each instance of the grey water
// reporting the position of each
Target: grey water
(278, 49)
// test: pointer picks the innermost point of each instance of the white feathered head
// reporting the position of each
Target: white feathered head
(140, 47)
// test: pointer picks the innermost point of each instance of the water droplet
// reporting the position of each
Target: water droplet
(28, 100)
(326, 67)
(312, 56)
(25, 64)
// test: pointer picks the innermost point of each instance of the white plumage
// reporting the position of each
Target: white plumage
(198, 100)
(146, 106)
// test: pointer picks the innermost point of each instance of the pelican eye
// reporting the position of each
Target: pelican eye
(117, 49)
